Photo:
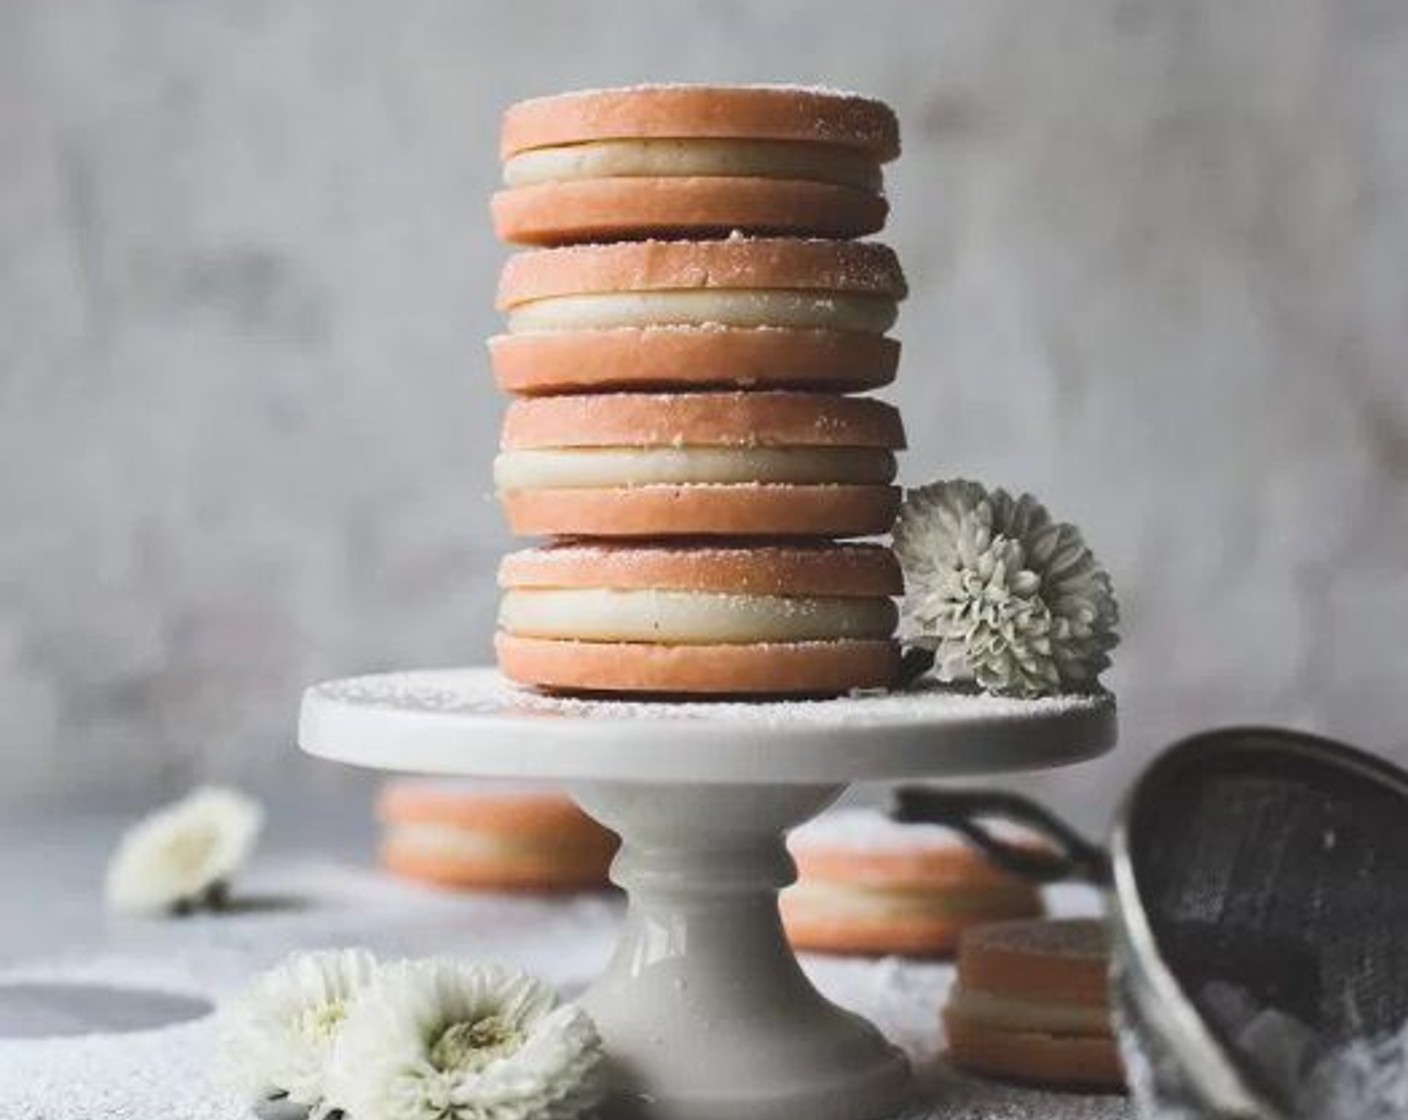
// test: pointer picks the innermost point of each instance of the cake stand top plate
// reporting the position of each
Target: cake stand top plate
(474, 722)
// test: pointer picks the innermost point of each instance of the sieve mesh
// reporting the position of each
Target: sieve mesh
(1276, 866)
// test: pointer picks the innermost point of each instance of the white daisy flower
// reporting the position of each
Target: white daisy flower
(277, 1039)
(182, 856)
(1001, 594)
(443, 1041)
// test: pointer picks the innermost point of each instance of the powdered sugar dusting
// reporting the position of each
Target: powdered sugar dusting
(708, 548)
(737, 262)
(1073, 937)
(108, 1077)
(963, 1098)
(163, 1074)
(1365, 1079)
(869, 830)
(481, 693)
(651, 87)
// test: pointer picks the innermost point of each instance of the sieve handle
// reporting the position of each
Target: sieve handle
(965, 810)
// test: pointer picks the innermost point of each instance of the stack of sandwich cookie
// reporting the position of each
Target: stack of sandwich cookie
(491, 836)
(1032, 1004)
(721, 619)
(682, 427)
(707, 464)
(604, 165)
(744, 312)
(870, 886)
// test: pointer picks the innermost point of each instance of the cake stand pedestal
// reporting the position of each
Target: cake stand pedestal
(705, 1013)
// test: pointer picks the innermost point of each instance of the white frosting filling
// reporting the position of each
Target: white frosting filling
(690, 617)
(464, 843)
(1012, 1013)
(898, 902)
(445, 841)
(764, 159)
(864, 314)
(658, 466)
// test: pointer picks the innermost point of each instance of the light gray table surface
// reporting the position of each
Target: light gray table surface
(312, 884)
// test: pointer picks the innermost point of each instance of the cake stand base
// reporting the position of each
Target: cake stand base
(704, 1009)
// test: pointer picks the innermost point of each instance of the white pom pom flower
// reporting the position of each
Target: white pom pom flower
(182, 856)
(277, 1039)
(1003, 596)
(441, 1041)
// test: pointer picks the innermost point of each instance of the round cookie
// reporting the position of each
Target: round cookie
(771, 464)
(603, 165)
(869, 886)
(727, 619)
(491, 836)
(686, 357)
(1031, 1003)
(857, 271)
(763, 112)
(754, 313)
(563, 213)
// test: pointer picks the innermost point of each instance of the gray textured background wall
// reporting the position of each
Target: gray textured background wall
(1159, 255)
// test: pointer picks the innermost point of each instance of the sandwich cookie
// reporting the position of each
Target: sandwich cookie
(740, 312)
(721, 620)
(491, 836)
(868, 885)
(772, 464)
(1032, 1004)
(605, 165)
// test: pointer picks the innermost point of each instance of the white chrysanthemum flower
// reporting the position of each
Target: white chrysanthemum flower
(1003, 595)
(441, 1041)
(277, 1038)
(182, 856)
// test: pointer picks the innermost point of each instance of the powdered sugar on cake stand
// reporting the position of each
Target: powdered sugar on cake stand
(703, 1007)
(472, 721)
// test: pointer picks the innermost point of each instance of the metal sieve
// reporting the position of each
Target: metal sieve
(1267, 863)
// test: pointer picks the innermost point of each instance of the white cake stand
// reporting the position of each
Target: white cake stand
(705, 1012)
